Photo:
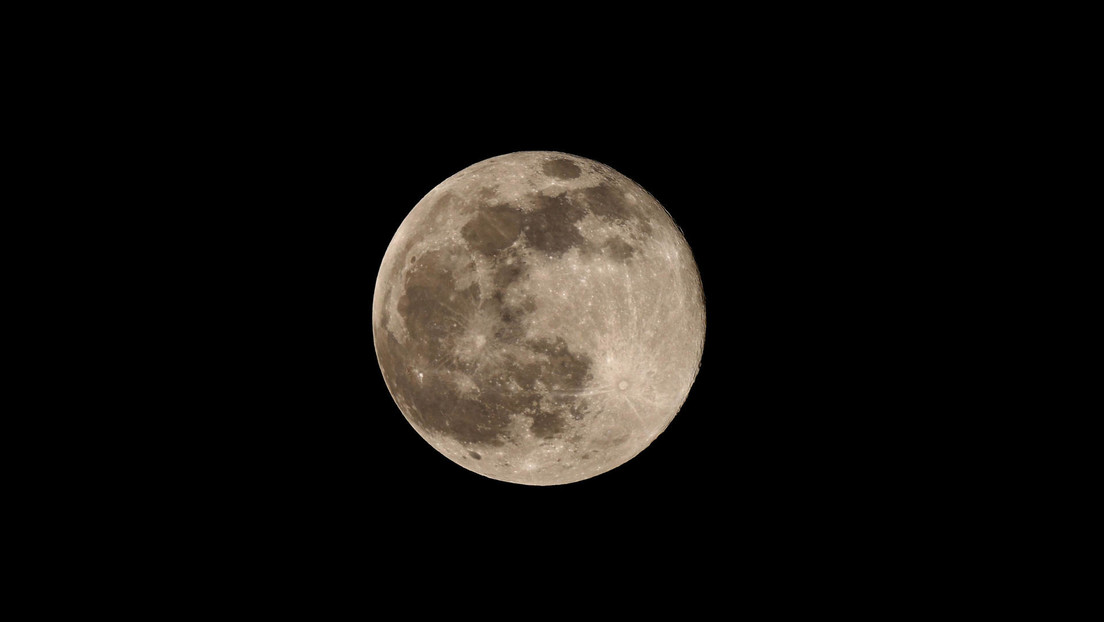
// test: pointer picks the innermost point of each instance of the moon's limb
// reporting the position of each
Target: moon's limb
(539, 318)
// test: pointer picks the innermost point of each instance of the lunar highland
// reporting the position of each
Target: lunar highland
(538, 318)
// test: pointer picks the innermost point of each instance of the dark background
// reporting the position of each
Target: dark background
(770, 433)
(699, 199)
(287, 182)
(237, 179)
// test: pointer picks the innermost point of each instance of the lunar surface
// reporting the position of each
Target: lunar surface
(538, 318)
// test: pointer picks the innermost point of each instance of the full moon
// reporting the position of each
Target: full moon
(538, 318)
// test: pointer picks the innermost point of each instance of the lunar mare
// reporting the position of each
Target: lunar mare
(538, 318)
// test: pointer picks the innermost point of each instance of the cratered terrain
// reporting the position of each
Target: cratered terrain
(538, 318)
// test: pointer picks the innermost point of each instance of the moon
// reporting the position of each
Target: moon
(538, 318)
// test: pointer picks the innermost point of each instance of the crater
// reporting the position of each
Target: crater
(580, 408)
